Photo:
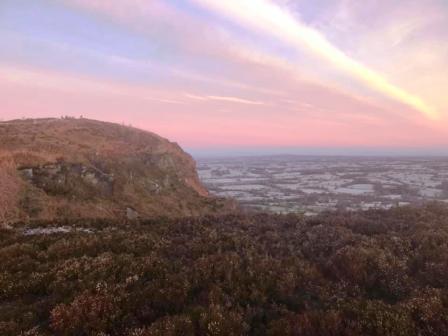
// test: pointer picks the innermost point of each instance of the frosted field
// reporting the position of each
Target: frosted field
(314, 184)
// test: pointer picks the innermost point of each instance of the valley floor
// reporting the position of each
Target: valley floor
(311, 185)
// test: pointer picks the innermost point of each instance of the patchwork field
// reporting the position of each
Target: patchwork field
(311, 185)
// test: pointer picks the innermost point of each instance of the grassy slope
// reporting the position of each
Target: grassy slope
(136, 159)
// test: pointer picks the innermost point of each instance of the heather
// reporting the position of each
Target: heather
(364, 273)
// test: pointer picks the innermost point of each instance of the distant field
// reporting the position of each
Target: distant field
(311, 185)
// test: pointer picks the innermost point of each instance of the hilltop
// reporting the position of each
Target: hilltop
(80, 168)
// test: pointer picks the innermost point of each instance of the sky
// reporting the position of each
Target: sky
(236, 76)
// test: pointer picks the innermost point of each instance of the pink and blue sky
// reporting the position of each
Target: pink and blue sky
(236, 76)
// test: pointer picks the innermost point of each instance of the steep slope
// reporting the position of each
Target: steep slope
(65, 168)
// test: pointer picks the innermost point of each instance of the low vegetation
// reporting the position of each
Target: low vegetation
(10, 186)
(371, 273)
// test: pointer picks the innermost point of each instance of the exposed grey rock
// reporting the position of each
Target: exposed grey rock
(27, 173)
(154, 187)
(91, 178)
(131, 214)
(59, 178)
(53, 230)
(166, 181)
(53, 169)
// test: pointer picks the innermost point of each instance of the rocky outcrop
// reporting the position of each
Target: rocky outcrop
(86, 168)
(61, 178)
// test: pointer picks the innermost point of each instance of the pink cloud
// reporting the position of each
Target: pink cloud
(25, 92)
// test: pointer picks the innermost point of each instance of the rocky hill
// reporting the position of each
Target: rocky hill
(80, 168)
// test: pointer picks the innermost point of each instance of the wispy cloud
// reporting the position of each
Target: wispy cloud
(66, 83)
(236, 100)
(268, 17)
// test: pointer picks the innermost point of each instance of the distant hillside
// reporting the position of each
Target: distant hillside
(71, 168)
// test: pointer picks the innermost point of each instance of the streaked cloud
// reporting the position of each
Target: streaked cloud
(236, 100)
(266, 16)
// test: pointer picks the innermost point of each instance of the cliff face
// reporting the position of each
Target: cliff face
(65, 168)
